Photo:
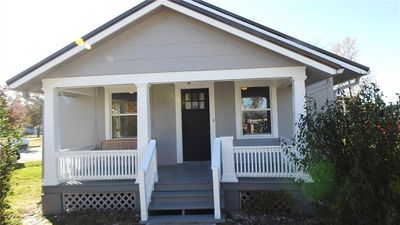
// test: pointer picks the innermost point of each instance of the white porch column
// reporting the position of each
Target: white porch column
(228, 164)
(51, 136)
(143, 118)
(298, 100)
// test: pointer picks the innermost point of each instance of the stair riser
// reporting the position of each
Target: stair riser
(182, 187)
(182, 199)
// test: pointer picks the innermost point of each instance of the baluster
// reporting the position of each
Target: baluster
(117, 164)
(275, 162)
(271, 162)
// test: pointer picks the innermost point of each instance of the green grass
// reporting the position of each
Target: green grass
(25, 190)
(25, 206)
(34, 141)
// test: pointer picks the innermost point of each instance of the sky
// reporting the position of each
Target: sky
(32, 30)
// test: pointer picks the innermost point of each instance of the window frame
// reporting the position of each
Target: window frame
(273, 108)
(108, 91)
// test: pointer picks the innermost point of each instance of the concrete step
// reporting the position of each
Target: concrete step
(187, 219)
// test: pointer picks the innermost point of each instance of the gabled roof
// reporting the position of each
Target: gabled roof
(272, 39)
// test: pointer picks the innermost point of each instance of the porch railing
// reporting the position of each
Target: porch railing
(148, 176)
(216, 176)
(97, 165)
(262, 161)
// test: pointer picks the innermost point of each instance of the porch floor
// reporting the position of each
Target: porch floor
(187, 172)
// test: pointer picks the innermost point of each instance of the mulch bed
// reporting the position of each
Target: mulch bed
(241, 218)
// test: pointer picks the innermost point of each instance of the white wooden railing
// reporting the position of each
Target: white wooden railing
(97, 165)
(148, 176)
(216, 176)
(262, 161)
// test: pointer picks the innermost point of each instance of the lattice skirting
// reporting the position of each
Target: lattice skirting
(99, 201)
(271, 201)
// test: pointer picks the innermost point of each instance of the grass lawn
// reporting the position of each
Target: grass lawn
(34, 141)
(26, 208)
(25, 191)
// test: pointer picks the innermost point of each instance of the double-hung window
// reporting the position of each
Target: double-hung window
(255, 113)
(124, 115)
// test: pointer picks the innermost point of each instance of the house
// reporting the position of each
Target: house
(176, 106)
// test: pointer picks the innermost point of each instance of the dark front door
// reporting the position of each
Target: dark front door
(196, 125)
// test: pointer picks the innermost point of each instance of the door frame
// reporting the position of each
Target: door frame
(178, 113)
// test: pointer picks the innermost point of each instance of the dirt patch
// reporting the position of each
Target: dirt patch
(270, 219)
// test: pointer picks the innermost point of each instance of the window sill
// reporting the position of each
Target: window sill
(255, 136)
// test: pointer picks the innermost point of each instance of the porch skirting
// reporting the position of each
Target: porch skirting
(90, 195)
(124, 195)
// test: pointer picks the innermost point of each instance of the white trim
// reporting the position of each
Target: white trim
(298, 101)
(175, 77)
(107, 104)
(273, 108)
(51, 139)
(344, 64)
(147, 9)
(178, 113)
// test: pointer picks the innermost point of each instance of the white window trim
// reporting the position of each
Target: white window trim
(178, 113)
(273, 108)
(108, 91)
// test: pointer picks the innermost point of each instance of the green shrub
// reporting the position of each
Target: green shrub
(9, 139)
(351, 150)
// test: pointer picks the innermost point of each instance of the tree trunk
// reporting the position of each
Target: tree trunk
(38, 131)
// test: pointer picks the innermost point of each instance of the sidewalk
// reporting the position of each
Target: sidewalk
(31, 154)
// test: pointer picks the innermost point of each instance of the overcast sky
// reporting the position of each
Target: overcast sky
(32, 30)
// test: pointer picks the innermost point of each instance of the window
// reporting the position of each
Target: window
(194, 100)
(256, 109)
(124, 115)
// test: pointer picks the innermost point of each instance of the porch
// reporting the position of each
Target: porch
(234, 125)
(185, 188)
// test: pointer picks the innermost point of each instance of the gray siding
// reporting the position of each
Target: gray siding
(225, 108)
(81, 119)
(169, 41)
(285, 112)
(320, 92)
(163, 122)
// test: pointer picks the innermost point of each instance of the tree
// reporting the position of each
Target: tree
(9, 143)
(351, 150)
(15, 106)
(35, 116)
(347, 49)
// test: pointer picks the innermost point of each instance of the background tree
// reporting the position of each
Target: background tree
(35, 116)
(347, 49)
(351, 149)
(15, 106)
(9, 143)
(34, 106)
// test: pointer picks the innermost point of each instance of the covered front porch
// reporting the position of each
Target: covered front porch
(124, 127)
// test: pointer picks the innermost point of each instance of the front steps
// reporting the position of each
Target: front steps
(187, 219)
(182, 203)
